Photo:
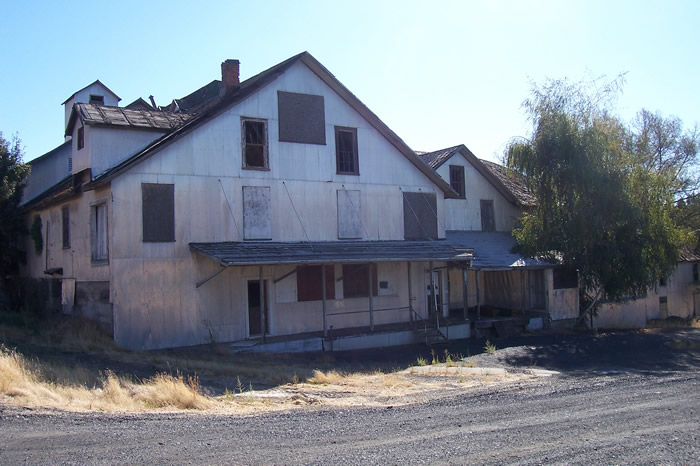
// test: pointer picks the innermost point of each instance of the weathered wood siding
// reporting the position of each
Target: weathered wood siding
(465, 214)
(155, 300)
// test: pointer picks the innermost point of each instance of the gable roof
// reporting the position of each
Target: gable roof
(217, 105)
(437, 158)
(94, 114)
(97, 81)
(515, 182)
(139, 104)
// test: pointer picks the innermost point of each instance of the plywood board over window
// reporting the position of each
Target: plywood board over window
(256, 212)
(301, 118)
(420, 216)
(309, 283)
(349, 214)
(158, 209)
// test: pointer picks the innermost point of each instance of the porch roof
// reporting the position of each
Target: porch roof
(323, 252)
(492, 250)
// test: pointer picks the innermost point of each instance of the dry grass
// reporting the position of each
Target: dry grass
(32, 383)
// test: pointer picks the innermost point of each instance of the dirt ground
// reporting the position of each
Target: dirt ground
(617, 397)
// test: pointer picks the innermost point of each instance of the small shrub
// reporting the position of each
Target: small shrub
(489, 347)
(435, 360)
(420, 360)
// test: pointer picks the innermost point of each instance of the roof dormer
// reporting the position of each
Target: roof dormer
(95, 93)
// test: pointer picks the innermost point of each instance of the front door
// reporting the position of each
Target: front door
(433, 303)
(537, 292)
(254, 315)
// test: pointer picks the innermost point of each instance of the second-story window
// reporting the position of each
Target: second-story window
(254, 139)
(346, 151)
(81, 137)
(457, 180)
(97, 99)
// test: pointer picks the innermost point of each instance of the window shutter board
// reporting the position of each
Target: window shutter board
(301, 118)
(158, 212)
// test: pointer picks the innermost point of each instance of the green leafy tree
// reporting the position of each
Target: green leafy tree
(13, 174)
(606, 193)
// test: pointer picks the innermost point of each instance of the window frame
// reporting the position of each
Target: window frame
(65, 226)
(98, 229)
(490, 203)
(355, 152)
(461, 189)
(244, 144)
(96, 99)
(81, 137)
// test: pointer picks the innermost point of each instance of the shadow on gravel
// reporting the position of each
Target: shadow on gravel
(656, 351)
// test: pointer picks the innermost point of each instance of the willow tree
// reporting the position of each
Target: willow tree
(602, 206)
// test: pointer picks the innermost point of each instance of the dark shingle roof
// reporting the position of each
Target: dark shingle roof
(438, 157)
(515, 182)
(92, 114)
(264, 253)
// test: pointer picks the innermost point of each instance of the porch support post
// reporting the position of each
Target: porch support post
(522, 292)
(262, 304)
(433, 304)
(464, 293)
(478, 297)
(410, 292)
(323, 295)
(371, 302)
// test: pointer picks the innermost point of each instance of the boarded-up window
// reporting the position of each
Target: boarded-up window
(356, 280)
(346, 151)
(488, 222)
(564, 278)
(301, 118)
(65, 223)
(309, 283)
(420, 216)
(98, 233)
(254, 140)
(158, 209)
(457, 179)
(256, 212)
(349, 214)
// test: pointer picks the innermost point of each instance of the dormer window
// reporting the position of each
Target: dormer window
(97, 99)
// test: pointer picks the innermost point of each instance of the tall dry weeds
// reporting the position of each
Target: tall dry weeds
(34, 384)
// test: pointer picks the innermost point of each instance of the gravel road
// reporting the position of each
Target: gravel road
(624, 410)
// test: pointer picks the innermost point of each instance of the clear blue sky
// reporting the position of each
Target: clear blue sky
(437, 73)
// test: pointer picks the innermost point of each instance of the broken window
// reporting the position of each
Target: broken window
(346, 151)
(65, 220)
(97, 99)
(420, 216)
(254, 138)
(256, 212)
(349, 214)
(356, 280)
(81, 137)
(158, 212)
(488, 222)
(98, 233)
(301, 118)
(457, 180)
(309, 283)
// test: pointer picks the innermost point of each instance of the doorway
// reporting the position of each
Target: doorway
(255, 317)
(435, 305)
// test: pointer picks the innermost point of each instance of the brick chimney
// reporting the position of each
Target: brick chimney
(230, 74)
